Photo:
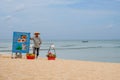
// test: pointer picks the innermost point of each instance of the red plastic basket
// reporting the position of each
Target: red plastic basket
(30, 57)
(51, 58)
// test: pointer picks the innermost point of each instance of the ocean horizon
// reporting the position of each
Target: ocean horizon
(87, 50)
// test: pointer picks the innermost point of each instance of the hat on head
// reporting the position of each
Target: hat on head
(36, 33)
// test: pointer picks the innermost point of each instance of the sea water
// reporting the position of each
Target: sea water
(91, 50)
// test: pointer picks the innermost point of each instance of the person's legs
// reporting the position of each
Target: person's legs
(34, 50)
(37, 52)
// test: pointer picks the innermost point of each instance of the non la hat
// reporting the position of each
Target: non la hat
(36, 33)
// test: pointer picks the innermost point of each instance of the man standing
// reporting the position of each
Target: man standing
(37, 42)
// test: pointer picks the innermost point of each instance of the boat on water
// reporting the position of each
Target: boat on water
(84, 41)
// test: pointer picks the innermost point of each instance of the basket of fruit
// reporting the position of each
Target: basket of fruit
(51, 56)
(30, 56)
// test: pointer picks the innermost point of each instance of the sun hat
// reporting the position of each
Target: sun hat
(36, 33)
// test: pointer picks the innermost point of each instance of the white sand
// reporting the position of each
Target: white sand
(43, 69)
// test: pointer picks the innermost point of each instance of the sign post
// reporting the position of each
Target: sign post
(21, 42)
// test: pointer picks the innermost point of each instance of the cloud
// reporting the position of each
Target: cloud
(9, 0)
(20, 8)
(91, 12)
(63, 2)
(7, 18)
(117, 0)
(10, 26)
(109, 26)
(51, 2)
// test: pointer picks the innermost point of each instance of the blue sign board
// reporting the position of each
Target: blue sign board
(21, 42)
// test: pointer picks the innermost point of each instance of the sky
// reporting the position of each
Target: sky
(61, 19)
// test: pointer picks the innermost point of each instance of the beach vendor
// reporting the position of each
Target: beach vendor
(37, 42)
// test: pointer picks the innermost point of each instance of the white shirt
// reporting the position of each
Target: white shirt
(37, 41)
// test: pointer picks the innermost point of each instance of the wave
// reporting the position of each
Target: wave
(3, 47)
(66, 47)
(5, 50)
(45, 49)
(117, 46)
(76, 48)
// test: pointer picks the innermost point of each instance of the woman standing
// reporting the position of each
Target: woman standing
(37, 42)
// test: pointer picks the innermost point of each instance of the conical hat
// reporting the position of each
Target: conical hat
(36, 33)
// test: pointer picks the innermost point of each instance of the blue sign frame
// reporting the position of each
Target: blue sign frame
(21, 42)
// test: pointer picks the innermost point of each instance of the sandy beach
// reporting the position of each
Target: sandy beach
(43, 69)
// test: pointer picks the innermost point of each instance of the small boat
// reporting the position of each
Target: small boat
(84, 41)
